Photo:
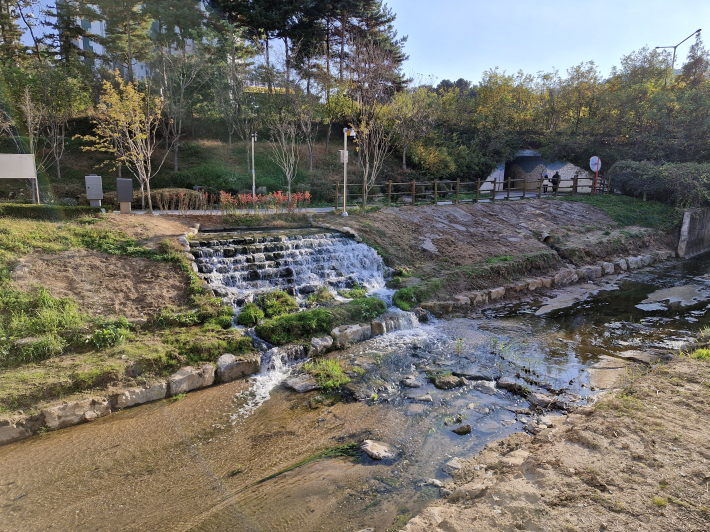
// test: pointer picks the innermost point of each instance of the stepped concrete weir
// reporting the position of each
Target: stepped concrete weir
(241, 266)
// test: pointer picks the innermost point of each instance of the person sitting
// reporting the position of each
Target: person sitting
(545, 183)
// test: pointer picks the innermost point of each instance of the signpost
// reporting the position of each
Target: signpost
(595, 163)
(344, 159)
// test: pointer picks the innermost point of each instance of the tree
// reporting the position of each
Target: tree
(12, 51)
(285, 140)
(309, 118)
(126, 123)
(413, 115)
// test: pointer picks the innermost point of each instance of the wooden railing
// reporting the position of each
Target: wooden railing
(456, 192)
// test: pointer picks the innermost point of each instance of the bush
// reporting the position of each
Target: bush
(702, 354)
(682, 184)
(404, 299)
(46, 212)
(355, 292)
(277, 303)
(250, 315)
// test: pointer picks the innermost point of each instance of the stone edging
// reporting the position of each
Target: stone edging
(562, 278)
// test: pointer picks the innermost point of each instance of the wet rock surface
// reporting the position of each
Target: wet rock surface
(378, 450)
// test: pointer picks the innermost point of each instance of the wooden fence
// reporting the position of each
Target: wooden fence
(455, 192)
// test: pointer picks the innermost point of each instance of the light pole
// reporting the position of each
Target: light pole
(347, 132)
(676, 46)
(253, 170)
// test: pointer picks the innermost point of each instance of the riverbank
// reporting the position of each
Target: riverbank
(636, 460)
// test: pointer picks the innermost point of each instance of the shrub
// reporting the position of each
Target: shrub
(702, 354)
(290, 328)
(110, 334)
(682, 184)
(404, 299)
(250, 315)
(46, 212)
(277, 303)
(328, 373)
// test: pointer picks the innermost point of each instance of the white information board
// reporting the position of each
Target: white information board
(20, 166)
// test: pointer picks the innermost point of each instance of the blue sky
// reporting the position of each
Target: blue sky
(463, 38)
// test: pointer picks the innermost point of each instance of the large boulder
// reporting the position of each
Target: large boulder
(75, 412)
(230, 368)
(622, 265)
(394, 321)
(320, 346)
(439, 308)
(139, 396)
(634, 263)
(608, 268)
(478, 297)
(534, 284)
(496, 293)
(378, 450)
(189, 378)
(351, 334)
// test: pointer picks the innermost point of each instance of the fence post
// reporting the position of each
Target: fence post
(574, 185)
(539, 192)
(414, 191)
(493, 197)
(458, 185)
(364, 195)
(509, 183)
(608, 184)
(557, 187)
(436, 191)
(478, 188)
(389, 193)
(525, 186)
(337, 194)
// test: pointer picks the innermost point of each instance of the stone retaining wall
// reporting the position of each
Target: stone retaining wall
(695, 233)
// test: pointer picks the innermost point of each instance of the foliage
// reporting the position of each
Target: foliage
(405, 299)
(682, 185)
(277, 303)
(250, 315)
(701, 354)
(109, 333)
(328, 373)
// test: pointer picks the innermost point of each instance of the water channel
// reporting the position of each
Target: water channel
(209, 462)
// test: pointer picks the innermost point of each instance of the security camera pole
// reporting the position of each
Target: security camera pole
(253, 170)
(344, 158)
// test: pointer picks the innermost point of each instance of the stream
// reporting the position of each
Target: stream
(219, 459)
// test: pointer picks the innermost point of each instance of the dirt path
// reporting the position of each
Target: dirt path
(636, 461)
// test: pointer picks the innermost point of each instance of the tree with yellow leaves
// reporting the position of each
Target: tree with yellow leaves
(126, 124)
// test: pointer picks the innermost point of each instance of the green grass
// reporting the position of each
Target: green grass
(347, 450)
(701, 354)
(206, 344)
(320, 297)
(626, 210)
(355, 292)
(328, 373)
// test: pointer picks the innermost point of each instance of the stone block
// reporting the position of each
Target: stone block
(565, 277)
(189, 378)
(320, 346)
(11, 432)
(608, 268)
(75, 412)
(439, 308)
(139, 396)
(646, 260)
(301, 383)
(598, 272)
(634, 263)
(621, 265)
(462, 301)
(546, 282)
(534, 284)
(496, 293)
(351, 334)
(230, 367)
(478, 298)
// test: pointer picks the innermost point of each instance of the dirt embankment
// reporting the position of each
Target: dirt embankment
(481, 245)
(639, 460)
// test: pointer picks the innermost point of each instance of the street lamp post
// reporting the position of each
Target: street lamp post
(347, 132)
(253, 170)
(696, 32)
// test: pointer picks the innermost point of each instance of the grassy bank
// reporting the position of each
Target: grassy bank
(628, 211)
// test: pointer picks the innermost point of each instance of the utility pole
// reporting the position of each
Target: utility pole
(344, 159)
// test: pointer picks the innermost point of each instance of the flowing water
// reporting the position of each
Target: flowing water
(209, 462)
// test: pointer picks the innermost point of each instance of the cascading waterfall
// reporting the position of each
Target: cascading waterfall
(240, 267)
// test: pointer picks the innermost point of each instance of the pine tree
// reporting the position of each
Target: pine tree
(12, 51)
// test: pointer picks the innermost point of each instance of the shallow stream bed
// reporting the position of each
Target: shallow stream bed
(207, 462)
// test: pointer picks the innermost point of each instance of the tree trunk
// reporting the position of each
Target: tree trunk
(150, 202)
(175, 156)
(246, 145)
(268, 64)
(310, 150)
(119, 170)
(59, 168)
(404, 157)
(129, 44)
(288, 65)
(327, 137)
(229, 130)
